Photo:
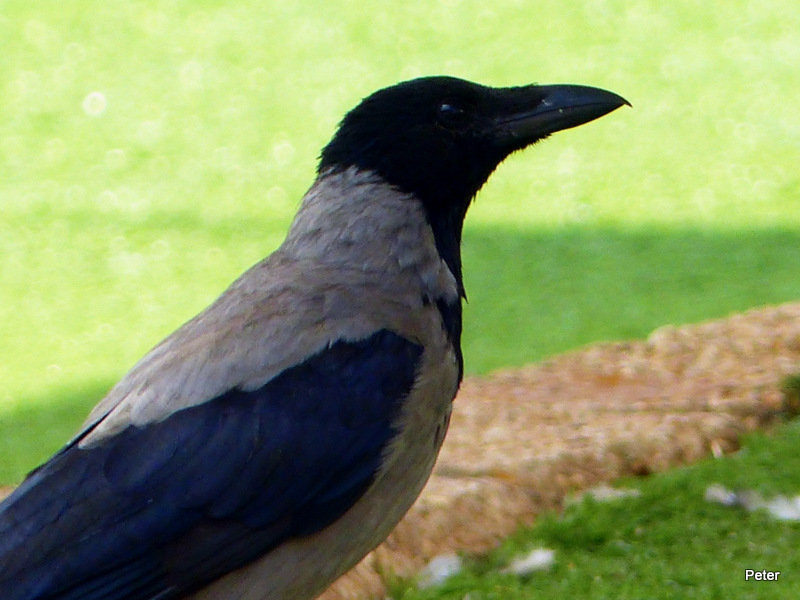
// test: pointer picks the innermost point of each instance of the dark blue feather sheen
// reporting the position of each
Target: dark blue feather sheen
(158, 511)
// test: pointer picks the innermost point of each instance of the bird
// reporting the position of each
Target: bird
(269, 443)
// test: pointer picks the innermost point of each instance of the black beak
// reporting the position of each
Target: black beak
(534, 112)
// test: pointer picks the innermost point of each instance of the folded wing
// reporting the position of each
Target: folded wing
(155, 511)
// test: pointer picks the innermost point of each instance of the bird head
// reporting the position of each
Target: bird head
(440, 138)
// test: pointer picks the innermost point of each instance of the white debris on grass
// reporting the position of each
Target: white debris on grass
(538, 559)
(444, 566)
(782, 508)
(603, 493)
(719, 494)
(750, 500)
(439, 569)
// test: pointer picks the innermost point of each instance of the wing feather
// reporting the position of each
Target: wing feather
(158, 510)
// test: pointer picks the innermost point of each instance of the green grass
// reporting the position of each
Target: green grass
(151, 151)
(560, 288)
(667, 543)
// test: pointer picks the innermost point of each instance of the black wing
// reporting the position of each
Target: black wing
(161, 510)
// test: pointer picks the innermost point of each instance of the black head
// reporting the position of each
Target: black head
(440, 138)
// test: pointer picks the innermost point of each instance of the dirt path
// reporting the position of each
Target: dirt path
(520, 440)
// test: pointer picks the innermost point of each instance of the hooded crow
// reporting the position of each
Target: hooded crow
(267, 445)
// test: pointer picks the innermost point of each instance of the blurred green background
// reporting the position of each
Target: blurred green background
(152, 151)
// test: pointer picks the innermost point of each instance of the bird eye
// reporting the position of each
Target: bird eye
(452, 115)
